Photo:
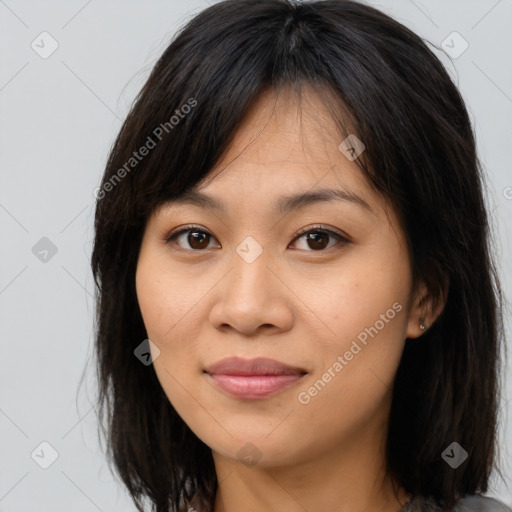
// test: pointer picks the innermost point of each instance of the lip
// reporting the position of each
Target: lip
(253, 378)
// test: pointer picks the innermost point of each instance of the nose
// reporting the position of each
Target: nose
(252, 298)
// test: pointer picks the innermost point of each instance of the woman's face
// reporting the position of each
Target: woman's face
(335, 305)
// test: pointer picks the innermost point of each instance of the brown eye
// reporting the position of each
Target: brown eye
(196, 239)
(317, 239)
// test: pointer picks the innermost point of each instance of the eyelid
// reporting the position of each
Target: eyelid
(343, 238)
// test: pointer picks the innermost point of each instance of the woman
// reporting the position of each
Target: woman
(297, 303)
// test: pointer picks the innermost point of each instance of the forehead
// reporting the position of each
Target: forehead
(283, 127)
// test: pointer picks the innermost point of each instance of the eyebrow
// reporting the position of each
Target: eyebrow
(283, 205)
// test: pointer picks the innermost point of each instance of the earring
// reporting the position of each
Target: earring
(422, 325)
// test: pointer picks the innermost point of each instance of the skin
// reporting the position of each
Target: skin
(296, 303)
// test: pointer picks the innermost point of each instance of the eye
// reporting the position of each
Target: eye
(317, 237)
(197, 237)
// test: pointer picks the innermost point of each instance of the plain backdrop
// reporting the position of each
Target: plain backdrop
(59, 116)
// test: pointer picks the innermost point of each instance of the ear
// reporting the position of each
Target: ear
(425, 309)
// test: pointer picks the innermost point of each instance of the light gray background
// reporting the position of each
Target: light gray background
(58, 118)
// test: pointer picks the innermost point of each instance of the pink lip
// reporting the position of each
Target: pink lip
(253, 378)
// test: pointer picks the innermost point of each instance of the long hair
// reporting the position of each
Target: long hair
(384, 82)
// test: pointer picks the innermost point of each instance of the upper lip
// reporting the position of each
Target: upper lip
(258, 366)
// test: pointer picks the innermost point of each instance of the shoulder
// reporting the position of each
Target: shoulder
(477, 503)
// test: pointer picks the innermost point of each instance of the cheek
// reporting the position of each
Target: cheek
(165, 297)
(152, 300)
(168, 302)
(357, 290)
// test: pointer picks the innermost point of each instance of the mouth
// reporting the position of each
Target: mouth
(253, 378)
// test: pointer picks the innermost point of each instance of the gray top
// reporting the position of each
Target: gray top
(473, 503)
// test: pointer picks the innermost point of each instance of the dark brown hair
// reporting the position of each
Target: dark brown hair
(420, 154)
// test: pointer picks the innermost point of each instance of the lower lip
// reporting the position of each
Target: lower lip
(254, 386)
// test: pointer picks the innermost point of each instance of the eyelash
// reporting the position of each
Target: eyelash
(313, 229)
